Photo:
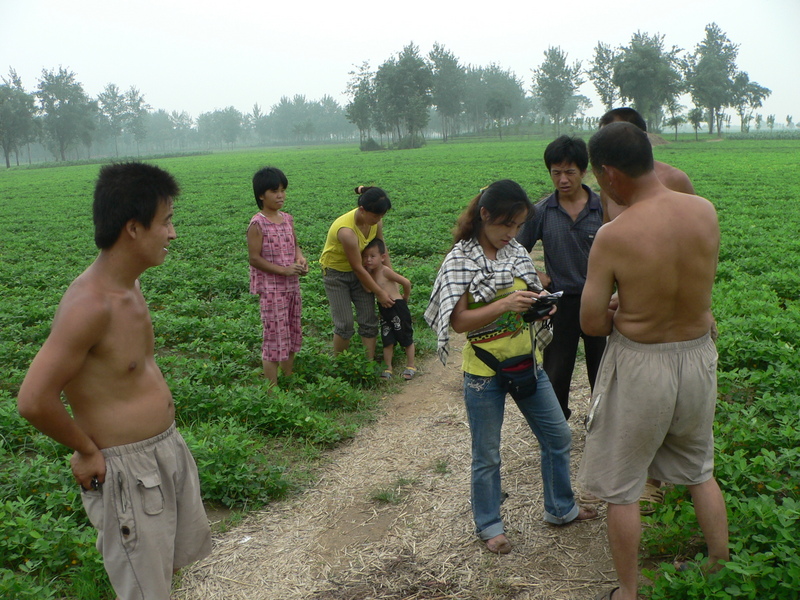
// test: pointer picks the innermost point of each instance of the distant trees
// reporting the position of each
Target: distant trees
(67, 111)
(448, 88)
(402, 87)
(409, 96)
(17, 120)
(602, 74)
(648, 75)
(555, 83)
(710, 73)
(746, 97)
(696, 117)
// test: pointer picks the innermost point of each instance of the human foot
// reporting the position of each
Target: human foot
(499, 544)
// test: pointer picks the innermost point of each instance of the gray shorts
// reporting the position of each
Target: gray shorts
(149, 515)
(652, 414)
(344, 290)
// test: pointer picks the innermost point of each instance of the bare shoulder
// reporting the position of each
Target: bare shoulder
(86, 306)
(674, 178)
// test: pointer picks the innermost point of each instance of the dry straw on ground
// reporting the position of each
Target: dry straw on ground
(334, 542)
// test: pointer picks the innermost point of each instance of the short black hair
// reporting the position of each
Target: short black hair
(624, 113)
(268, 178)
(126, 191)
(566, 149)
(624, 146)
(376, 243)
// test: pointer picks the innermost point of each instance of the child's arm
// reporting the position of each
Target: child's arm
(255, 240)
(397, 278)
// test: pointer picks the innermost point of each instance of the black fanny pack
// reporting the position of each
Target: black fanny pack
(517, 375)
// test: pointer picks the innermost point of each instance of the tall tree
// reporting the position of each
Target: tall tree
(67, 110)
(135, 114)
(746, 97)
(111, 103)
(555, 83)
(676, 118)
(403, 94)
(259, 121)
(648, 75)
(360, 109)
(449, 83)
(710, 71)
(602, 74)
(17, 116)
(505, 96)
(696, 117)
(182, 124)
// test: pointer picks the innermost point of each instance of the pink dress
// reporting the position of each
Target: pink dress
(280, 295)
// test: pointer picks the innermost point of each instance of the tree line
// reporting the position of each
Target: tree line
(407, 98)
(394, 99)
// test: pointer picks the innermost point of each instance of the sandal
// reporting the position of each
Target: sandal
(585, 513)
(409, 373)
(651, 496)
(387, 374)
(499, 544)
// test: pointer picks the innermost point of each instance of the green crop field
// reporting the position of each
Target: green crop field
(251, 450)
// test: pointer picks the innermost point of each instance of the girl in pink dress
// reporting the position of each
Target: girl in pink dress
(276, 262)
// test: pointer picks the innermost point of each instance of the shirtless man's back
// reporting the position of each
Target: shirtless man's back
(100, 355)
(653, 405)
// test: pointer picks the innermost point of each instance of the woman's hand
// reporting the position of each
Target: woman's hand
(519, 301)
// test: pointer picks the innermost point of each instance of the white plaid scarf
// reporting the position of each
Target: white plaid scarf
(466, 268)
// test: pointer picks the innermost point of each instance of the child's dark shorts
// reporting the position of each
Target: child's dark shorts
(396, 325)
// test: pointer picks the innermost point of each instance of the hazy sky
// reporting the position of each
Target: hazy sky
(202, 55)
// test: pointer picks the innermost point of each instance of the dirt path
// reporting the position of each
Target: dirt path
(334, 542)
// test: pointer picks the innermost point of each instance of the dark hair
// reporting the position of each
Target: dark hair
(373, 199)
(566, 149)
(376, 243)
(624, 146)
(268, 178)
(126, 191)
(623, 113)
(504, 200)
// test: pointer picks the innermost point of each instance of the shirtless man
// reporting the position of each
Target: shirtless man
(653, 405)
(678, 181)
(670, 176)
(396, 325)
(140, 484)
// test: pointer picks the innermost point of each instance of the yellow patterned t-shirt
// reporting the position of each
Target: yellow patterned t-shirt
(504, 337)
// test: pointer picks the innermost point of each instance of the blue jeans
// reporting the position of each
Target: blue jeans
(485, 402)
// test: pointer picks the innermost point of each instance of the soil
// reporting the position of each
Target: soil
(340, 541)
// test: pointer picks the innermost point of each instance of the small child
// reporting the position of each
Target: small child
(395, 320)
(276, 262)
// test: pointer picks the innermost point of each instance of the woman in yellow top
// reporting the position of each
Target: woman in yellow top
(347, 282)
(484, 286)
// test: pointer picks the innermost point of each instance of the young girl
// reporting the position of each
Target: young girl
(484, 285)
(276, 262)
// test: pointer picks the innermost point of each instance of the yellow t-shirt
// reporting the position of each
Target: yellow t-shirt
(333, 256)
(505, 337)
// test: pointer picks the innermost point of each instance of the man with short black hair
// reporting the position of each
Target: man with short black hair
(140, 484)
(566, 223)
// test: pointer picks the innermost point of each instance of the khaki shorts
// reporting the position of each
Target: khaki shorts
(652, 414)
(149, 515)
